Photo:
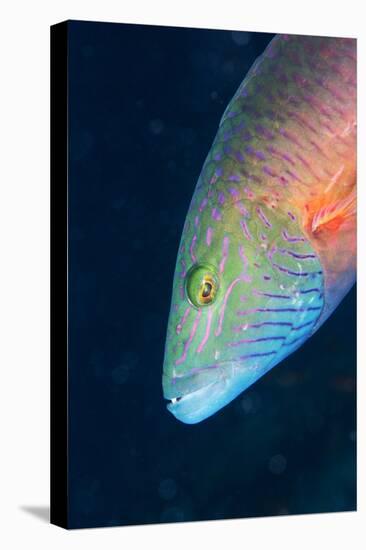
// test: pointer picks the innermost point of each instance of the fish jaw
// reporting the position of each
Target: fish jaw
(199, 397)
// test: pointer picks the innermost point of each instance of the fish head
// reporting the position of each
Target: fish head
(203, 368)
(232, 312)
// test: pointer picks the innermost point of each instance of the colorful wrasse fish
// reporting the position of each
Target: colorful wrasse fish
(268, 248)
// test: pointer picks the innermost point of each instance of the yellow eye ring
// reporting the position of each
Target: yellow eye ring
(201, 285)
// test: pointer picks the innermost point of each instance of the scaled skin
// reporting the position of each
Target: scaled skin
(272, 223)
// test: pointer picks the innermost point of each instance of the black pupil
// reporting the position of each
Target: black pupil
(206, 290)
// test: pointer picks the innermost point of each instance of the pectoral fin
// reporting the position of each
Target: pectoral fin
(333, 215)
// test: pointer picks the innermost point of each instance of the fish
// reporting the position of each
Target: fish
(268, 247)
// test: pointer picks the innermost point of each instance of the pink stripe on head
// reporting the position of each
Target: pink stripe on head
(184, 271)
(221, 198)
(216, 215)
(249, 193)
(203, 204)
(209, 236)
(222, 312)
(245, 261)
(193, 257)
(225, 250)
(184, 318)
(207, 332)
(234, 192)
(191, 336)
(241, 208)
(245, 230)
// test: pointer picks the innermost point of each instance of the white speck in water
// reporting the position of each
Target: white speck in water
(244, 327)
(277, 464)
(217, 354)
(167, 489)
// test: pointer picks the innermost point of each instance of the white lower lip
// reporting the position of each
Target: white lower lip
(230, 379)
(192, 407)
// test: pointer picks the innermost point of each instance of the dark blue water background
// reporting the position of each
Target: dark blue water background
(145, 103)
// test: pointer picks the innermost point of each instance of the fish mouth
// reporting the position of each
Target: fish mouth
(202, 392)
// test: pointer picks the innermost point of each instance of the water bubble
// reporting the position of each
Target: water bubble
(277, 464)
(120, 374)
(247, 404)
(156, 126)
(127, 363)
(167, 489)
(241, 38)
(172, 514)
(228, 68)
(250, 403)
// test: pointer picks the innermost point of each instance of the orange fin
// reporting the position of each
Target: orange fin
(332, 216)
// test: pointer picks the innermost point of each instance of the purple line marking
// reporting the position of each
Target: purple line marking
(245, 230)
(261, 130)
(239, 328)
(304, 325)
(239, 156)
(268, 170)
(286, 344)
(250, 356)
(296, 255)
(277, 310)
(309, 290)
(269, 295)
(294, 176)
(234, 192)
(216, 215)
(255, 340)
(289, 272)
(234, 177)
(263, 217)
(221, 198)
(260, 155)
(196, 221)
(290, 214)
(292, 239)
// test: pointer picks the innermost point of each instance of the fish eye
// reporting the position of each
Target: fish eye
(201, 285)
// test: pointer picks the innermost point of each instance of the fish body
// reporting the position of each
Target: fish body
(268, 248)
